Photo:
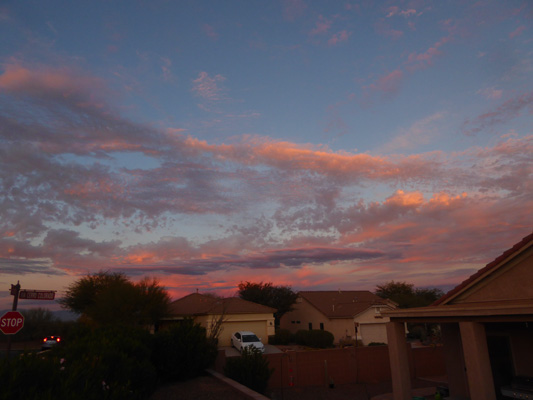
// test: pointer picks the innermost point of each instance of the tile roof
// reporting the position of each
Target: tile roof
(489, 268)
(343, 304)
(200, 304)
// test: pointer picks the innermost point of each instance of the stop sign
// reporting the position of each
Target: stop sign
(11, 322)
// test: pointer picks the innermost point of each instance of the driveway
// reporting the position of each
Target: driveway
(233, 352)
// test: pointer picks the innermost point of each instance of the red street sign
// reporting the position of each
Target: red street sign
(37, 294)
(11, 322)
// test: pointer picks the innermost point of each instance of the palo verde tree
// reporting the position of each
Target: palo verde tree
(282, 298)
(406, 295)
(106, 298)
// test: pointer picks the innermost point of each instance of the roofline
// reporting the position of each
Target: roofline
(519, 247)
(485, 309)
(385, 303)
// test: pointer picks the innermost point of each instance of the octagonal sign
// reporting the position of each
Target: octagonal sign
(11, 322)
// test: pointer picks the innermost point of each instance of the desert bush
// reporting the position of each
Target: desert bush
(30, 376)
(315, 338)
(107, 363)
(94, 364)
(282, 336)
(349, 342)
(250, 369)
(183, 351)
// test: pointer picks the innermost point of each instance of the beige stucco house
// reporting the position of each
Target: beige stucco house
(346, 314)
(236, 314)
(487, 331)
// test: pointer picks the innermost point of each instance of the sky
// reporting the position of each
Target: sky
(316, 144)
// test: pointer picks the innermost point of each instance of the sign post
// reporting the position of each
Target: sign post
(13, 321)
(15, 289)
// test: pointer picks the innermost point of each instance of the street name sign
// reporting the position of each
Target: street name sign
(37, 294)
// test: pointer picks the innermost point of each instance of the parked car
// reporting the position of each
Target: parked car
(243, 339)
(50, 341)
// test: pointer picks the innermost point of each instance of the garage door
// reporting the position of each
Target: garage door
(257, 327)
(373, 333)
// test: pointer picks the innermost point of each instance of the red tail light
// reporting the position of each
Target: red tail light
(58, 340)
(44, 340)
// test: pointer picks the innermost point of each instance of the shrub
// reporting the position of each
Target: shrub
(108, 363)
(94, 364)
(377, 344)
(251, 369)
(315, 338)
(183, 351)
(282, 336)
(29, 376)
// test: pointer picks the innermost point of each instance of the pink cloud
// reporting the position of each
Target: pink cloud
(339, 37)
(321, 26)
(424, 60)
(64, 84)
(210, 31)
(395, 10)
(384, 29)
(491, 93)
(208, 87)
(408, 12)
(388, 84)
(392, 11)
(517, 32)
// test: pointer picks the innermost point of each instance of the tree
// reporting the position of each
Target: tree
(106, 298)
(282, 298)
(406, 295)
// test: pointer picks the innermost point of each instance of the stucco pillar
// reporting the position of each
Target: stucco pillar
(399, 361)
(453, 357)
(476, 352)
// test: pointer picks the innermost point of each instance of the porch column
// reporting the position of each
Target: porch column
(399, 361)
(477, 361)
(455, 363)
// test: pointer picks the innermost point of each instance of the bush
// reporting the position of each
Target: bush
(315, 338)
(377, 344)
(108, 363)
(349, 342)
(251, 369)
(282, 336)
(183, 351)
(30, 376)
(94, 364)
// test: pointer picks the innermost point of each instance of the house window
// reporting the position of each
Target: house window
(321, 326)
(310, 325)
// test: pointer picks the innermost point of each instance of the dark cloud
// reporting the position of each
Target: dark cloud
(505, 112)
(265, 260)
(24, 266)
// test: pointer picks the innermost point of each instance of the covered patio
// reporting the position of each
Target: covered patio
(487, 331)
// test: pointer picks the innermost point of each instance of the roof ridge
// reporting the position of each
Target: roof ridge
(487, 268)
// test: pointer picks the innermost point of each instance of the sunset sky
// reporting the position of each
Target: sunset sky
(317, 144)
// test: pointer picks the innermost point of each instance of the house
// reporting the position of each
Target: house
(234, 313)
(487, 331)
(346, 314)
